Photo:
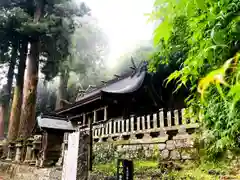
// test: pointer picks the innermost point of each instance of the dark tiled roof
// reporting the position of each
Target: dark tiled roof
(48, 122)
(127, 83)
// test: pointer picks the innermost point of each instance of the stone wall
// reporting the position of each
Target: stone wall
(164, 147)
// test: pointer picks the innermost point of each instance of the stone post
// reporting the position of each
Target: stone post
(60, 160)
(176, 117)
(148, 122)
(10, 152)
(154, 121)
(143, 123)
(28, 156)
(36, 149)
(138, 123)
(161, 118)
(83, 155)
(169, 118)
(18, 152)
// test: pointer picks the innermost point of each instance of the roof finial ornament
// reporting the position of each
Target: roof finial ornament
(133, 63)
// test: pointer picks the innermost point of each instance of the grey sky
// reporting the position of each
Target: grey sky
(124, 23)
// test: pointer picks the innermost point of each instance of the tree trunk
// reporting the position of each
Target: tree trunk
(18, 93)
(62, 89)
(6, 93)
(28, 111)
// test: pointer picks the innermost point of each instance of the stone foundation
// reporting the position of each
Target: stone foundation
(164, 147)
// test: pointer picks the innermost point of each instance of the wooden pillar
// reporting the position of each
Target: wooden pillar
(148, 122)
(114, 127)
(119, 125)
(143, 123)
(84, 119)
(90, 148)
(105, 113)
(107, 129)
(176, 117)
(169, 118)
(161, 118)
(127, 125)
(110, 127)
(154, 121)
(138, 123)
(184, 121)
(132, 123)
(94, 116)
(123, 130)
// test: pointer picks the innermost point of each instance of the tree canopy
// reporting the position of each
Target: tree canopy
(199, 37)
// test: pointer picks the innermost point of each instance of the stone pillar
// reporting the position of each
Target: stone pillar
(10, 152)
(161, 118)
(148, 122)
(18, 152)
(127, 125)
(163, 135)
(60, 160)
(169, 118)
(176, 117)
(28, 156)
(143, 123)
(83, 155)
(36, 149)
(138, 123)
(154, 121)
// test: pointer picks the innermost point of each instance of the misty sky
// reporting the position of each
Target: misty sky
(124, 23)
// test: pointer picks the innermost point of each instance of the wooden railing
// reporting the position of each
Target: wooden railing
(156, 122)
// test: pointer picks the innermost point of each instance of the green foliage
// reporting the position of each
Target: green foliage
(209, 37)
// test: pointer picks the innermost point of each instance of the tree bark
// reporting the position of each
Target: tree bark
(18, 94)
(28, 111)
(62, 89)
(6, 93)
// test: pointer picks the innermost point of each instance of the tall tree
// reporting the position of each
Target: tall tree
(10, 21)
(18, 93)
